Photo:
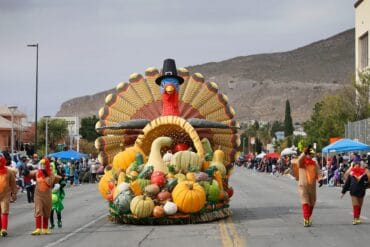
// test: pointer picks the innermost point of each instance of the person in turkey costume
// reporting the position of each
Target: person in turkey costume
(356, 183)
(8, 190)
(308, 175)
(45, 180)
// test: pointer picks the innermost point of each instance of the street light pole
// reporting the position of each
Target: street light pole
(46, 134)
(12, 110)
(37, 86)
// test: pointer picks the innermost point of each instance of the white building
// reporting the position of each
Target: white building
(362, 28)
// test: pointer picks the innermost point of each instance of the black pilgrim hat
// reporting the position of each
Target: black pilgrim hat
(169, 70)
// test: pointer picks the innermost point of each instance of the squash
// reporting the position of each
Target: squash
(158, 178)
(143, 183)
(220, 167)
(142, 206)
(123, 159)
(135, 187)
(189, 197)
(171, 183)
(170, 208)
(158, 211)
(152, 190)
(190, 176)
(103, 183)
(121, 177)
(212, 190)
(217, 176)
(122, 202)
(121, 187)
(167, 157)
(155, 157)
(201, 176)
(183, 160)
(164, 196)
(205, 165)
(180, 177)
(146, 172)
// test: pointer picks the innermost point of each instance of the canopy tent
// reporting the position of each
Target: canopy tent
(345, 145)
(261, 155)
(272, 156)
(288, 151)
(68, 155)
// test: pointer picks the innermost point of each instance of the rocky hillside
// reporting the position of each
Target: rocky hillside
(259, 85)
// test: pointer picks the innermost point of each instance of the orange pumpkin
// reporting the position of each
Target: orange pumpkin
(190, 176)
(189, 197)
(123, 159)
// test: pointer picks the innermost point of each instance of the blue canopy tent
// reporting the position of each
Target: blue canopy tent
(67, 155)
(345, 145)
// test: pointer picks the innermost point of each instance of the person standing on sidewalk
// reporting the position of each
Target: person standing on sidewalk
(308, 172)
(356, 183)
(8, 191)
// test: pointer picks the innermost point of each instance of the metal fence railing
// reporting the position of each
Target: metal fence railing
(359, 130)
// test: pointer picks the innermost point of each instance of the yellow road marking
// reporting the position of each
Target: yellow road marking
(229, 234)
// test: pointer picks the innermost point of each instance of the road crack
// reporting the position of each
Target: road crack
(146, 236)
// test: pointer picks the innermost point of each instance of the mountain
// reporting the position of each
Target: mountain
(259, 85)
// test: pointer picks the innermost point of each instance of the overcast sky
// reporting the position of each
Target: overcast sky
(88, 46)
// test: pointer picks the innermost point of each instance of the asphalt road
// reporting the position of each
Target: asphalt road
(266, 212)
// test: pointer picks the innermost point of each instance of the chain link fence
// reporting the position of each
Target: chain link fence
(359, 130)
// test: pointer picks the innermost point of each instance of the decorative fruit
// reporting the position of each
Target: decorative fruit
(123, 159)
(143, 183)
(167, 157)
(135, 187)
(218, 161)
(181, 147)
(109, 197)
(111, 185)
(230, 191)
(170, 208)
(189, 197)
(212, 190)
(184, 159)
(190, 176)
(171, 183)
(142, 206)
(103, 183)
(201, 176)
(180, 177)
(158, 211)
(158, 178)
(120, 188)
(146, 172)
(205, 165)
(155, 157)
(121, 177)
(164, 195)
(152, 190)
(123, 201)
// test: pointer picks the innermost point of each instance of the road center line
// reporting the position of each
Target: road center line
(76, 231)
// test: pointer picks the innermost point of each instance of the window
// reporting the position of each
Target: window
(364, 51)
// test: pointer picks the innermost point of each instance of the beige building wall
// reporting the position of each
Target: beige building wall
(362, 25)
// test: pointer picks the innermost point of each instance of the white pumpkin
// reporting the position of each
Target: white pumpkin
(170, 208)
(122, 187)
(182, 161)
(167, 157)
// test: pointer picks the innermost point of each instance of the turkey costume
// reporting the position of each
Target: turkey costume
(8, 190)
(356, 183)
(45, 181)
(308, 172)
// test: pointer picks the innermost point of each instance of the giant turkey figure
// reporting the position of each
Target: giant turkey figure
(135, 104)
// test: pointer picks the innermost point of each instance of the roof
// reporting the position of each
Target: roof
(4, 111)
(5, 123)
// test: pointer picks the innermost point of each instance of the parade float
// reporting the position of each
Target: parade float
(168, 141)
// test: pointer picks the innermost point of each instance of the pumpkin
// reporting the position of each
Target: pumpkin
(142, 206)
(151, 190)
(190, 176)
(183, 160)
(123, 159)
(170, 208)
(158, 211)
(164, 195)
(155, 157)
(158, 178)
(167, 157)
(189, 197)
(123, 201)
(212, 190)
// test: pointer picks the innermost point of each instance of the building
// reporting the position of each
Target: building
(6, 127)
(73, 130)
(362, 29)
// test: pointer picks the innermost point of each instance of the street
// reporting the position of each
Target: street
(266, 212)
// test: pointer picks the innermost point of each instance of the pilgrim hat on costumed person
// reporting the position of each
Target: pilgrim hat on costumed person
(169, 71)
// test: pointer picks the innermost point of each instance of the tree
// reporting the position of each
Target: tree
(276, 126)
(330, 116)
(362, 95)
(87, 129)
(57, 130)
(288, 122)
